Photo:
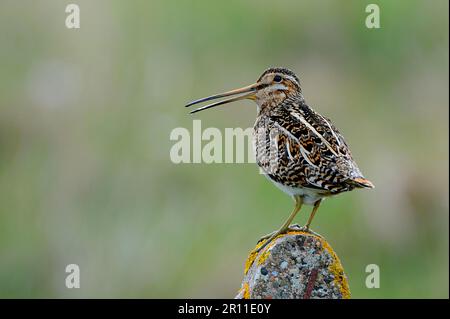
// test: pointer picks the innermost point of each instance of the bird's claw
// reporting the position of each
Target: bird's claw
(309, 231)
(293, 227)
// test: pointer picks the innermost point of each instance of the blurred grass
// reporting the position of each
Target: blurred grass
(85, 174)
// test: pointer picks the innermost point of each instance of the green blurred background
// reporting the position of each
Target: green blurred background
(85, 119)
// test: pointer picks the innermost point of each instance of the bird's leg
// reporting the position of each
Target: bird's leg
(306, 227)
(315, 208)
(294, 227)
(285, 227)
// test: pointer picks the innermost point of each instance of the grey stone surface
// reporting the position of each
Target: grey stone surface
(297, 265)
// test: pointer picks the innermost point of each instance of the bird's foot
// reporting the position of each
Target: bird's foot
(309, 231)
(270, 237)
(293, 227)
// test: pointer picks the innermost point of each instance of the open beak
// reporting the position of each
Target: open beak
(248, 92)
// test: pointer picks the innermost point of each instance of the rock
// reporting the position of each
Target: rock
(296, 265)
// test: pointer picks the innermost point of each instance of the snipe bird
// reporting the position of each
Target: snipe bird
(298, 149)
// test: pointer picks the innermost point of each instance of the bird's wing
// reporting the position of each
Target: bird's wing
(309, 149)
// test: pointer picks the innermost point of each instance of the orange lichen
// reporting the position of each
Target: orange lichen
(263, 256)
(251, 258)
(246, 291)
(338, 271)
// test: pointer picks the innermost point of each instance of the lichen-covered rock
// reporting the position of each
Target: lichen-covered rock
(296, 265)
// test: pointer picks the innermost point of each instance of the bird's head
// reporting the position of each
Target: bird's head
(271, 88)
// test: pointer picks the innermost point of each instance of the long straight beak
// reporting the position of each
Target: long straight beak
(250, 90)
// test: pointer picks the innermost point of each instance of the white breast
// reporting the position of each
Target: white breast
(310, 195)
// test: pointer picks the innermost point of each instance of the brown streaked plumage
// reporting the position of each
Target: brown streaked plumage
(298, 149)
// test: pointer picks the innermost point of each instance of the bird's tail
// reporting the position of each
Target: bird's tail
(361, 182)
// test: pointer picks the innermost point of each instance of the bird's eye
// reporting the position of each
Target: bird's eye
(277, 78)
